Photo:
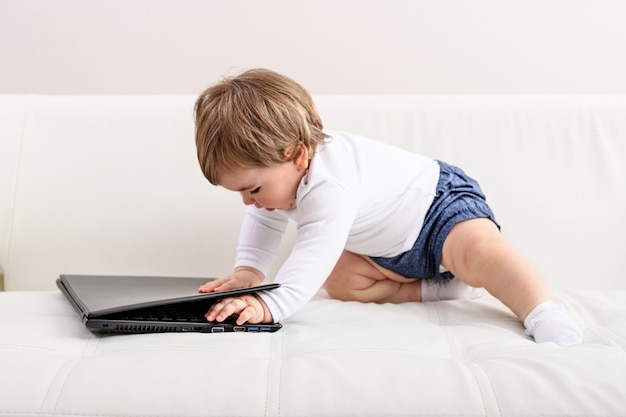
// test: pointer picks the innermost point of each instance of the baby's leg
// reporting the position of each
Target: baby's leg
(478, 254)
(358, 278)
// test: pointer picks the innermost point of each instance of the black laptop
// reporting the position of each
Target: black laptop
(144, 304)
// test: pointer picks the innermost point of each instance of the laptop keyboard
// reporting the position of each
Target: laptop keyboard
(170, 313)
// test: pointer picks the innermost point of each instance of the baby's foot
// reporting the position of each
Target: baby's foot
(549, 322)
(435, 289)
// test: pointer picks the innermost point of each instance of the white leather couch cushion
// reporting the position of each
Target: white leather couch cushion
(333, 358)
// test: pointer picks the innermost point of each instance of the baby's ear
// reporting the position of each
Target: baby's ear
(302, 156)
(299, 154)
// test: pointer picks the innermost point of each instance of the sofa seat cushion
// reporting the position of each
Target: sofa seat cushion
(331, 359)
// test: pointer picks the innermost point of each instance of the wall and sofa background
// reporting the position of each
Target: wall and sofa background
(331, 47)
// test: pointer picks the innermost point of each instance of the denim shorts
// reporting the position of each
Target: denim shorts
(457, 198)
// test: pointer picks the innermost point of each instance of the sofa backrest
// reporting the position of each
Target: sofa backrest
(111, 184)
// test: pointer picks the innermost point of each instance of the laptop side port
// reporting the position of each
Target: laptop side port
(239, 329)
(217, 329)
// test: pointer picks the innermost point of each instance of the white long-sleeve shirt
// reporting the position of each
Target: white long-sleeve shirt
(360, 195)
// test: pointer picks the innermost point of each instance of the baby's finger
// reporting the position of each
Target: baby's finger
(209, 286)
(246, 315)
(226, 285)
(222, 284)
(216, 309)
(228, 307)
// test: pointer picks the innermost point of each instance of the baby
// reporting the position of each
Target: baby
(374, 223)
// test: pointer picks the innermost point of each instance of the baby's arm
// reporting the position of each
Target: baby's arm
(261, 234)
(242, 277)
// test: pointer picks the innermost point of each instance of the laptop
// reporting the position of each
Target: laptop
(151, 304)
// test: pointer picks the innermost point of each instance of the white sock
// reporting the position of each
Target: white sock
(435, 289)
(549, 322)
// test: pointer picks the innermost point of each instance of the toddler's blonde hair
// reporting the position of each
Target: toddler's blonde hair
(257, 119)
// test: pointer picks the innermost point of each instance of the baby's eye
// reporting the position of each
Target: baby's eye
(256, 190)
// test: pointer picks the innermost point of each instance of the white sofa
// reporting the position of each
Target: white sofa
(110, 185)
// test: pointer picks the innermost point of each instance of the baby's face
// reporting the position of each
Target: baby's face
(270, 188)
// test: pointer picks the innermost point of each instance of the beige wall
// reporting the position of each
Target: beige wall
(330, 46)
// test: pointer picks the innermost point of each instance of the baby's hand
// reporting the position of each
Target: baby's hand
(249, 307)
(242, 278)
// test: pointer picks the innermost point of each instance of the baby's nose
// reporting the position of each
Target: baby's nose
(247, 199)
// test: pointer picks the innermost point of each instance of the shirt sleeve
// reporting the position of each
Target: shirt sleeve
(325, 216)
(259, 239)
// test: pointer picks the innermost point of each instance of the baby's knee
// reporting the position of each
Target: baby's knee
(332, 285)
(354, 278)
(338, 286)
(471, 248)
